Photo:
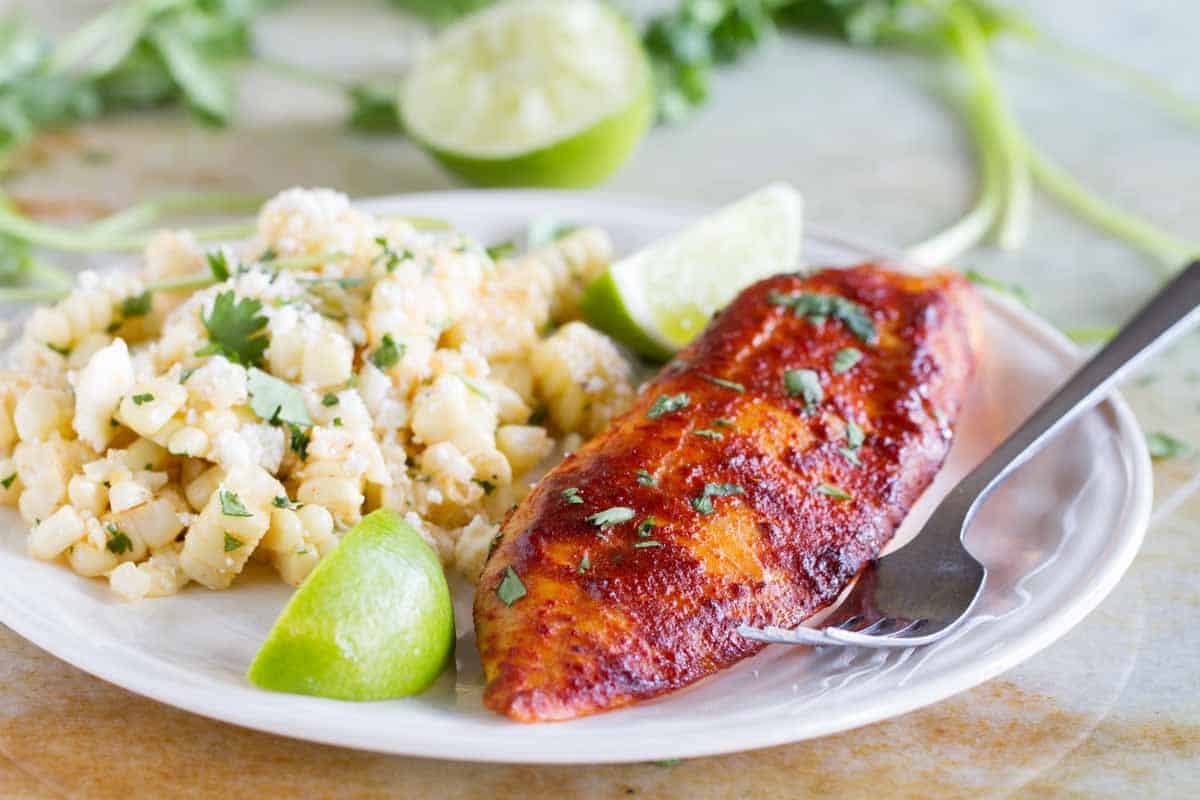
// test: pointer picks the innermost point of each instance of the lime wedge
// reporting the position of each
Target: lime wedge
(374, 620)
(659, 298)
(532, 93)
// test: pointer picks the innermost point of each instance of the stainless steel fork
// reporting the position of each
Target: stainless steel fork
(925, 589)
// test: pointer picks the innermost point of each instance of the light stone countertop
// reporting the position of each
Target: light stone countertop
(1111, 710)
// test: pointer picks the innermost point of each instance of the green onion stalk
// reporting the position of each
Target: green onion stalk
(1009, 164)
(185, 283)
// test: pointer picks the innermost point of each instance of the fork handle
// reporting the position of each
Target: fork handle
(1168, 315)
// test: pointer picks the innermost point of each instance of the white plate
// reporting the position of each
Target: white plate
(1056, 538)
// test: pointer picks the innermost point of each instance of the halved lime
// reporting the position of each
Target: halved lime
(532, 93)
(658, 299)
(374, 620)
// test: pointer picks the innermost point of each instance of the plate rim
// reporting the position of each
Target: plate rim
(751, 735)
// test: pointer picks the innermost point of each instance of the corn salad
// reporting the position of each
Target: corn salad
(255, 402)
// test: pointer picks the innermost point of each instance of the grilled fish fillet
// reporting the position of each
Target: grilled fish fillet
(750, 483)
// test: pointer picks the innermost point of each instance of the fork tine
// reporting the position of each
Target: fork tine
(877, 625)
(911, 627)
(850, 623)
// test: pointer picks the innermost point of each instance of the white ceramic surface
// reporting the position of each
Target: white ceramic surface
(1055, 540)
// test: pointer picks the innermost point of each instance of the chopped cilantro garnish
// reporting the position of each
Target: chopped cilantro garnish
(704, 504)
(113, 327)
(142, 399)
(8, 482)
(1015, 290)
(646, 543)
(721, 422)
(854, 434)
(118, 542)
(666, 404)
(218, 262)
(645, 478)
(281, 502)
(836, 492)
(276, 400)
(1163, 445)
(136, 306)
(62, 351)
(232, 542)
(329, 399)
(611, 516)
(845, 359)
(231, 504)
(850, 455)
(236, 330)
(737, 387)
(539, 415)
(487, 486)
(474, 387)
(186, 373)
(501, 250)
(388, 353)
(708, 434)
(389, 257)
(645, 526)
(854, 440)
(571, 495)
(299, 441)
(816, 308)
(511, 589)
(343, 283)
(584, 563)
(806, 384)
(547, 230)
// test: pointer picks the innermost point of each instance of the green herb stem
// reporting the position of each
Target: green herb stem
(30, 294)
(298, 73)
(143, 215)
(1004, 203)
(184, 283)
(1139, 81)
(85, 240)
(1168, 249)
(1087, 335)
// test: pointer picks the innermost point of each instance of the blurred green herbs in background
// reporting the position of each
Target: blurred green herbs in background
(141, 54)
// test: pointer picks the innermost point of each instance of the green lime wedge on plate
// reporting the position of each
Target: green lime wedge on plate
(532, 93)
(373, 621)
(659, 298)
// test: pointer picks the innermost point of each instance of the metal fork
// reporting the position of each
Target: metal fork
(927, 588)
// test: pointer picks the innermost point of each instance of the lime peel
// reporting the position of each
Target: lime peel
(374, 620)
(532, 93)
(658, 299)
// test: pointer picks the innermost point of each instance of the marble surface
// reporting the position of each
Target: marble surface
(1111, 710)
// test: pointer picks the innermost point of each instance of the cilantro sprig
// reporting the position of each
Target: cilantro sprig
(236, 330)
(231, 504)
(276, 400)
(511, 588)
(611, 516)
(703, 504)
(118, 541)
(667, 404)
(817, 308)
